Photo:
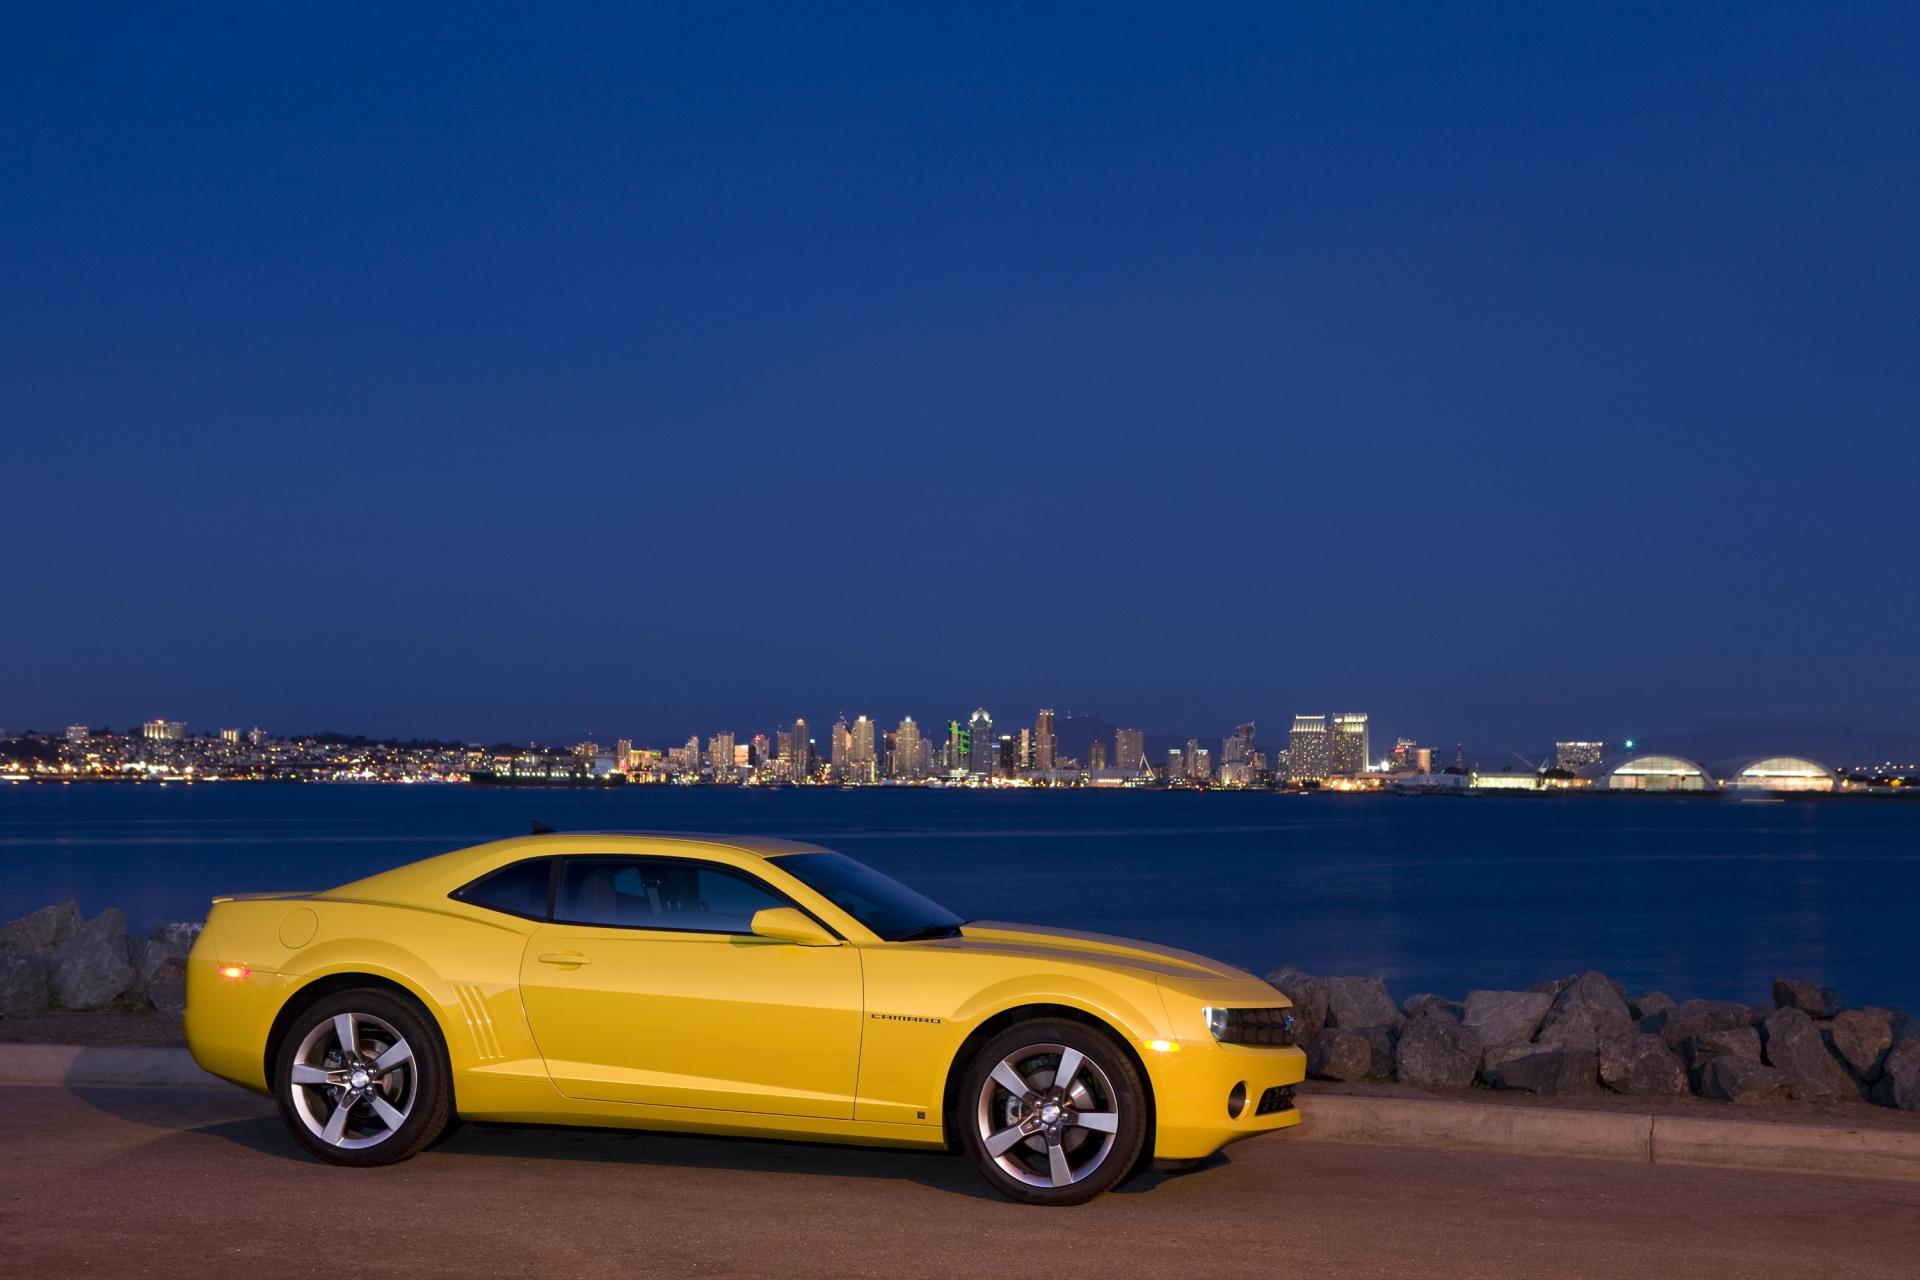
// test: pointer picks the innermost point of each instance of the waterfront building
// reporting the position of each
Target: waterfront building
(908, 761)
(1778, 773)
(957, 744)
(1129, 750)
(862, 753)
(980, 743)
(257, 736)
(840, 749)
(1575, 756)
(1097, 755)
(783, 753)
(623, 754)
(1652, 772)
(802, 753)
(164, 730)
(1199, 762)
(230, 735)
(1307, 749)
(78, 733)
(720, 757)
(1176, 765)
(762, 751)
(1504, 780)
(1237, 749)
(1347, 751)
(1043, 740)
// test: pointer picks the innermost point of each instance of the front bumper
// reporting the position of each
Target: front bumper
(1192, 1080)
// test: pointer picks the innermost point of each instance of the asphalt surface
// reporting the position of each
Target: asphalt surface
(204, 1183)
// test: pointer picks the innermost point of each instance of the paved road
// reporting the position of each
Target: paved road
(203, 1183)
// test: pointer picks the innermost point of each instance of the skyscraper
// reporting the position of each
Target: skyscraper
(720, 757)
(1347, 748)
(980, 743)
(802, 752)
(956, 761)
(907, 762)
(1307, 749)
(862, 753)
(1043, 740)
(1238, 749)
(1129, 749)
(840, 747)
(1097, 754)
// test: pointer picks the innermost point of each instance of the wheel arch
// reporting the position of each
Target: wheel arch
(310, 994)
(989, 1027)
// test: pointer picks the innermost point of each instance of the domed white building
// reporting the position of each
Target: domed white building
(1652, 772)
(1778, 773)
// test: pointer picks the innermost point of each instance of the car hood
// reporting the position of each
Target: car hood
(1071, 944)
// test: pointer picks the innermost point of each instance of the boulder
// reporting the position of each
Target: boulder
(1648, 1003)
(1506, 1017)
(1423, 1006)
(23, 985)
(90, 969)
(1334, 1054)
(1861, 1040)
(180, 933)
(1693, 1017)
(1587, 1010)
(1639, 1063)
(41, 932)
(1495, 1056)
(1556, 1072)
(1810, 998)
(169, 996)
(1794, 1045)
(1735, 1079)
(1381, 1043)
(1553, 986)
(1735, 1042)
(1899, 1083)
(1437, 1052)
(1309, 996)
(1360, 1002)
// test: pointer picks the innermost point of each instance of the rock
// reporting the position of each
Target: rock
(1553, 986)
(1734, 1042)
(181, 934)
(1810, 998)
(1309, 996)
(1639, 1063)
(41, 932)
(1506, 1017)
(23, 985)
(1495, 1056)
(1586, 1011)
(90, 969)
(1648, 1003)
(1339, 1055)
(1735, 1079)
(1899, 1083)
(1437, 1052)
(169, 996)
(1433, 1006)
(1381, 1044)
(1360, 1002)
(1557, 1072)
(1861, 1040)
(1692, 1017)
(1794, 1046)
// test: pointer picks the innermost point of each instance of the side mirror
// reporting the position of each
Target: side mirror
(784, 924)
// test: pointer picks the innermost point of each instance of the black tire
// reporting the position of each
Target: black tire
(419, 1090)
(1107, 1083)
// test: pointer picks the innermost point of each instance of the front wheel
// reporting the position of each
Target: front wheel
(1055, 1112)
(362, 1079)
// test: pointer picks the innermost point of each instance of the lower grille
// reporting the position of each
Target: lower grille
(1278, 1098)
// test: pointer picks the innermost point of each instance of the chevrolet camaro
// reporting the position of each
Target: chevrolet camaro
(716, 985)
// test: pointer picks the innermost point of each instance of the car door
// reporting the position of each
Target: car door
(648, 986)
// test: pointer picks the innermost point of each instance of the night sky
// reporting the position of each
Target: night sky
(1505, 371)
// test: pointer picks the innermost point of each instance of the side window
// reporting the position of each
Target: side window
(519, 889)
(660, 893)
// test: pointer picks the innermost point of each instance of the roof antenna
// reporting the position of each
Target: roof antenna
(541, 829)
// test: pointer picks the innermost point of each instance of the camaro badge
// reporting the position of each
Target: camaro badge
(904, 1017)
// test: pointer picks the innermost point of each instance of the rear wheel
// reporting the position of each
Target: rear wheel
(1055, 1112)
(362, 1079)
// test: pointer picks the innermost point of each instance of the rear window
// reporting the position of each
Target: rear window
(519, 889)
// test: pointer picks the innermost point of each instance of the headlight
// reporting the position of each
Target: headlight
(1219, 1021)
(1251, 1026)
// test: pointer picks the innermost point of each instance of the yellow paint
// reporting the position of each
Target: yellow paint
(718, 1033)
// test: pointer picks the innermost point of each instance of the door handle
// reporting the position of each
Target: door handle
(573, 958)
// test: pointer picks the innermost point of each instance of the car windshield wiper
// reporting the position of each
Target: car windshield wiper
(930, 931)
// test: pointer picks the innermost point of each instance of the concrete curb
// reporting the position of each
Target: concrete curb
(1610, 1135)
(70, 1064)
(1436, 1124)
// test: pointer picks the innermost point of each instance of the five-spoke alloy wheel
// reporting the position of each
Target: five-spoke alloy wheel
(1053, 1112)
(361, 1078)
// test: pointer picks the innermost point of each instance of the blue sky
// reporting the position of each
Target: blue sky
(1508, 371)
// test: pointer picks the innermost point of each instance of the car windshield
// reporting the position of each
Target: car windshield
(882, 904)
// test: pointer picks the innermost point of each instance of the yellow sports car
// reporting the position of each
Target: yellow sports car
(737, 986)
